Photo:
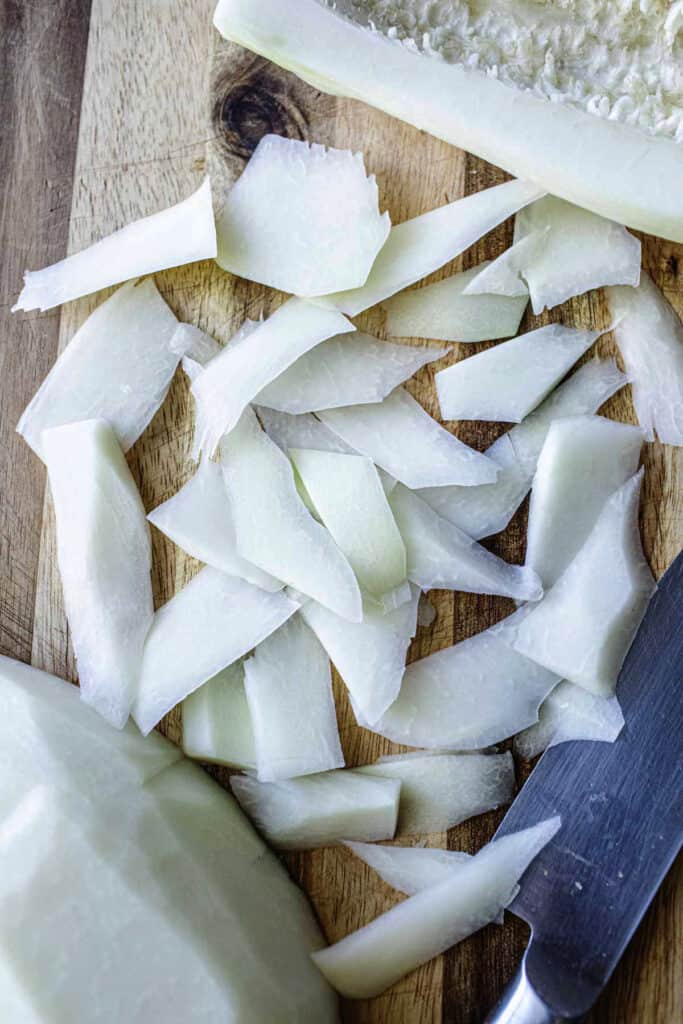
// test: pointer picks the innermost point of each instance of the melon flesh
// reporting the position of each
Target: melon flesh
(505, 274)
(404, 440)
(445, 312)
(288, 684)
(197, 347)
(583, 461)
(320, 810)
(217, 721)
(302, 218)
(300, 431)
(105, 557)
(409, 869)
(117, 367)
(507, 382)
(439, 791)
(207, 626)
(180, 234)
(571, 713)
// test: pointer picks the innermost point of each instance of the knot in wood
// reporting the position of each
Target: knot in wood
(256, 106)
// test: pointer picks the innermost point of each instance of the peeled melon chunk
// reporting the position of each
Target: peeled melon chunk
(445, 312)
(199, 520)
(368, 961)
(289, 690)
(570, 713)
(409, 869)
(438, 791)
(117, 367)
(583, 461)
(422, 245)
(105, 558)
(302, 218)
(580, 252)
(352, 370)
(505, 383)
(320, 810)
(442, 557)
(350, 500)
(180, 234)
(300, 431)
(253, 359)
(505, 274)
(217, 721)
(197, 347)
(649, 334)
(467, 697)
(210, 623)
(584, 626)
(488, 508)
(405, 441)
(273, 527)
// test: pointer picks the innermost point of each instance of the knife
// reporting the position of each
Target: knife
(621, 806)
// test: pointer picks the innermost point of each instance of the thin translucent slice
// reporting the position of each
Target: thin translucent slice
(580, 252)
(105, 557)
(404, 440)
(649, 334)
(349, 498)
(217, 722)
(252, 360)
(467, 697)
(571, 713)
(342, 371)
(180, 234)
(207, 626)
(426, 612)
(199, 348)
(442, 557)
(302, 218)
(409, 869)
(302, 431)
(583, 461)
(506, 382)
(199, 520)
(443, 311)
(438, 791)
(505, 274)
(584, 626)
(487, 509)
(288, 684)
(273, 527)
(422, 245)
(117, 367)
(320, 810)
(368, 961)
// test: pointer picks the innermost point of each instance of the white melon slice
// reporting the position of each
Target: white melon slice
(349, 498)
(301, 431)
(251, 360)
(438, 791)
(199, 520)
(467, 697)
(217, 721)
(105, 557)
(320, 810)
(181, 234)
(580, 252)
(302, 218)
(117, 367)
(288, 684)
(274, 529)
(571, 713)
(444, 312)
(506, 382)
(352, 370)
(409, 869)
(487, 509)
(404, 440)
(505, 274)
(442, 557)
(368, 961)
(583, 461)
(207, 626)
(426, 612)
(584, 626)
(199, 348)
(649, 334)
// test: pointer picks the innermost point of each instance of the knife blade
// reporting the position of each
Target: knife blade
(621, 806)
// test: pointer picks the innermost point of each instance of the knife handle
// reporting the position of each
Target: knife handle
(521, 1004)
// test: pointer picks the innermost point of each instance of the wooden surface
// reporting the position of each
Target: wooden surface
(154, 108)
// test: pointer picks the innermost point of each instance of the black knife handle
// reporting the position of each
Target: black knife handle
(521, 1004)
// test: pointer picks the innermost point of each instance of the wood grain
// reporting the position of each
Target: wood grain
(144, 129)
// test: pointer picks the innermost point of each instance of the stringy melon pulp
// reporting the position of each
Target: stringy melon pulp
(621, 60)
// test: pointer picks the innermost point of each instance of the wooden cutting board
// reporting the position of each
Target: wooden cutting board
(162, 99)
